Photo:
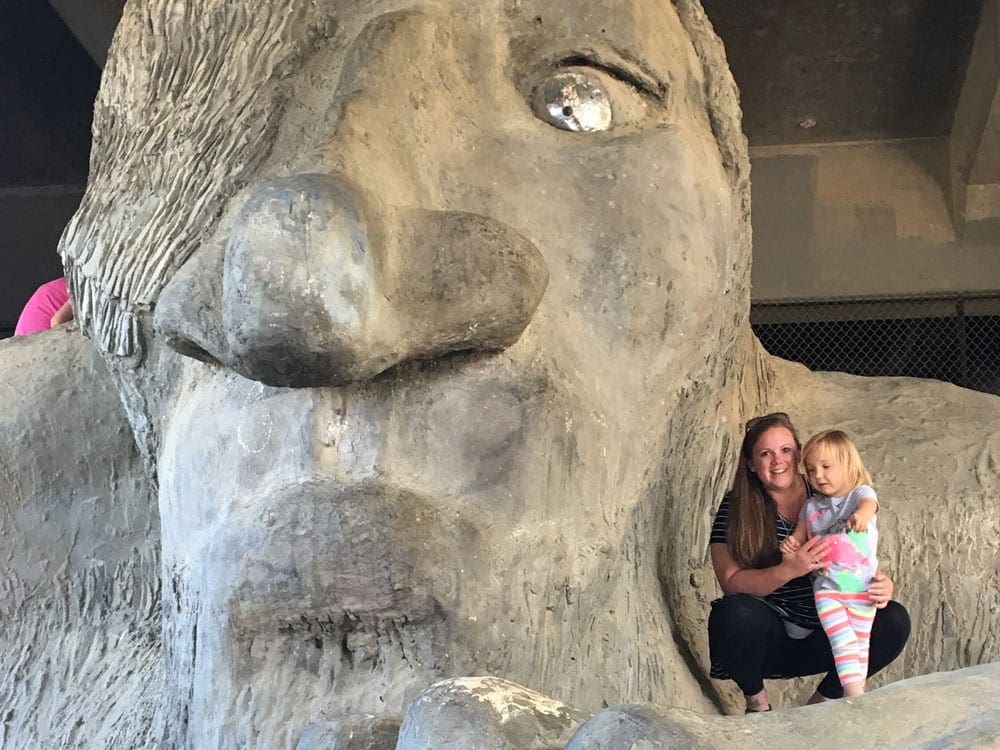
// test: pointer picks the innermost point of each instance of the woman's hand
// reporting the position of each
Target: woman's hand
(808, 558)
(880, 589)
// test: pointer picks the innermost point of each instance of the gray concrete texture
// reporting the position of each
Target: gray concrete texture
(955, 710)
(384, 451)
(850, 70)
(906, 217)
(865, 219)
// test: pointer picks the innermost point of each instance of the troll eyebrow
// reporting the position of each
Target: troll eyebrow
(617, 64)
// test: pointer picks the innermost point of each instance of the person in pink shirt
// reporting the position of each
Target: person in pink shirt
(47, 307)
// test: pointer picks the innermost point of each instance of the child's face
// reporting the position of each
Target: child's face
(826, 473)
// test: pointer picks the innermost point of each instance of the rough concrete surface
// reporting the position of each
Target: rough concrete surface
(351, 732)
(487, 713)
(80, 648)
(385, 452)
(942, 710)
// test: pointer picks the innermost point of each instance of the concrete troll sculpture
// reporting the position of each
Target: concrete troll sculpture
(417, 347)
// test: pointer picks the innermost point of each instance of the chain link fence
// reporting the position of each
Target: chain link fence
(952, 337)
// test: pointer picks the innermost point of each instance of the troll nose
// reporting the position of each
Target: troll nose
(313, 292)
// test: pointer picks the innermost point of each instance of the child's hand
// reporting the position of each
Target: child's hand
(858, 521)
(789, 544)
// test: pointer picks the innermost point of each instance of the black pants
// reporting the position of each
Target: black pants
(748, 640)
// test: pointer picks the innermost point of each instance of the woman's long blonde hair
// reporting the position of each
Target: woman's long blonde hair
(752, 537)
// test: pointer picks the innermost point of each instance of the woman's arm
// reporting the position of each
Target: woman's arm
(735, 579)
(63, 314)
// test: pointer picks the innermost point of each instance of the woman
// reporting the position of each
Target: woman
(766, 624)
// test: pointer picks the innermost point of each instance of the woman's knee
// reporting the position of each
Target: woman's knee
(893, 618)
(739, 613)
(737, 637)
(891, 626)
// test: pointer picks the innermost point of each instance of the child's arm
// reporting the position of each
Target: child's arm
(859, 519)
(794, 540)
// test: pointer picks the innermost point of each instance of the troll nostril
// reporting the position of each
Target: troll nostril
(187, 312)
(190, 349)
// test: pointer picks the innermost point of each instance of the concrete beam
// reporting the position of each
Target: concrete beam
(93, 23)
(975, 135)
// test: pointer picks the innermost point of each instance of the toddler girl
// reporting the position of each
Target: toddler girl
(841, 507)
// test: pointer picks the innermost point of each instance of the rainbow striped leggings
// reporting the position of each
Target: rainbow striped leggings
(847, 619)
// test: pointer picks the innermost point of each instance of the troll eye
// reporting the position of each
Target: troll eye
(594, 90)
(573, 100)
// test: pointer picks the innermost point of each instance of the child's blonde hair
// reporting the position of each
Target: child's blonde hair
(841, 448)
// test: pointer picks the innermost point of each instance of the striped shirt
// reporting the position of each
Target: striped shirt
(794, 600)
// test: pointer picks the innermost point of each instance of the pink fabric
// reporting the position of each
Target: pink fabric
(43, 304)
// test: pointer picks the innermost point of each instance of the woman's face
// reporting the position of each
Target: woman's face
(775, 459)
